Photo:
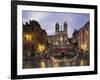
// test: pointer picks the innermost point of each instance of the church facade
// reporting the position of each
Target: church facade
(60, 39)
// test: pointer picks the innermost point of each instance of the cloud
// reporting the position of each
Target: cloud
(38, 16)
(48, 20)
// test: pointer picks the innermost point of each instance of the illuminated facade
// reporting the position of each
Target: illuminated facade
(34, 39)
(60, 39)
(83, 37)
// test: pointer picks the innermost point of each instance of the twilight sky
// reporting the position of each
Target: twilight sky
(47, 20)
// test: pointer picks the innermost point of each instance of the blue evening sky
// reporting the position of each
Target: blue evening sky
(47, 20)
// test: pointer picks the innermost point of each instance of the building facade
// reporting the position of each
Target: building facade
(83, 37)
(80, 38)
(60, 39)
(34, 39)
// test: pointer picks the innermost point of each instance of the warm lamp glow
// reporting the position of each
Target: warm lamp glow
(41, 48)
(84, 46)
(81, 63)
(61, 39)
(28, 37)
(42, 64)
